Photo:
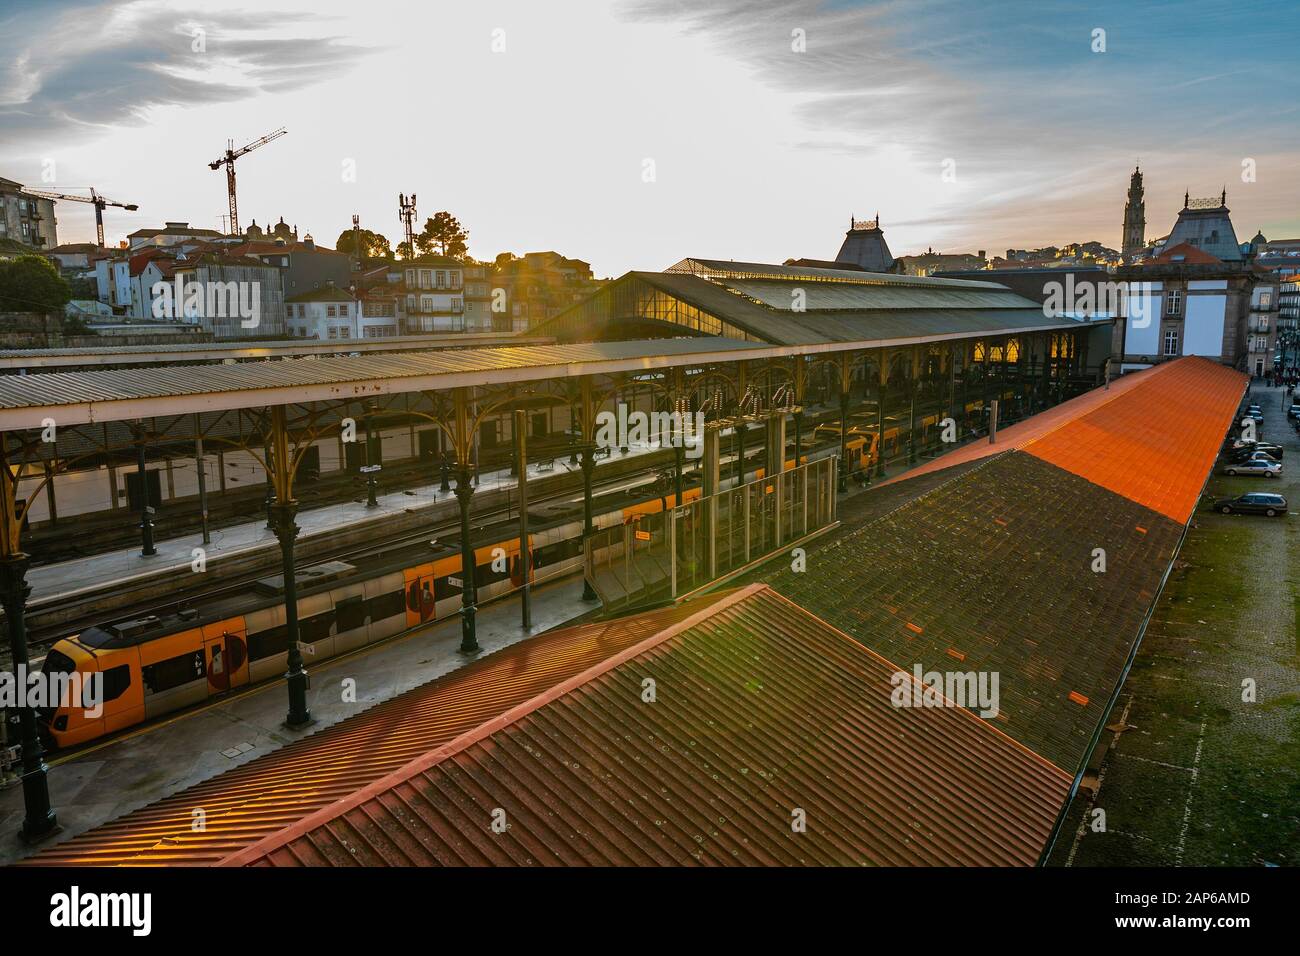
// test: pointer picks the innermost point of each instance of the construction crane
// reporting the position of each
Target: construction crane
(228, 161)
(95, 199)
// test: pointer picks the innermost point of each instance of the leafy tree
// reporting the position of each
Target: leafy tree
(444, 235)
(373, 245)
(32, 284)
(404, 250)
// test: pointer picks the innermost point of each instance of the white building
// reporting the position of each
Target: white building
(333, 314)
(435, 295)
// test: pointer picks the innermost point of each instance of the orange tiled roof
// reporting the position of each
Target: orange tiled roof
(1152, 436)
(1155, 444)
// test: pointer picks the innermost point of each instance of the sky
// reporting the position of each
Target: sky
(634, 133)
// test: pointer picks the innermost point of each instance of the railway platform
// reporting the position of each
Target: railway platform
(67, 579)
(100, 782)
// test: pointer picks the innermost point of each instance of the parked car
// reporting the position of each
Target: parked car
(1269, 469)
(1253, 413)
(1293, 411)
(1273, 451)
(1254, 503)
(1237, 457)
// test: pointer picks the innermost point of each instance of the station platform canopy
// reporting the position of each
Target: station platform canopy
(799, 305)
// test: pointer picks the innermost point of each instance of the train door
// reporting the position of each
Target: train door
(225, 652)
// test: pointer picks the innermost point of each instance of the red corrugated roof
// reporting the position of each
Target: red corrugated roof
(265, 795)
(1152, 436)
(761, 713)
(1157, 444)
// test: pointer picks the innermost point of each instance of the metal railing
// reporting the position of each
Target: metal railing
(661, 556)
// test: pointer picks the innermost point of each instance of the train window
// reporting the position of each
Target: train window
(443, 588)
(173, 672)
(56, 662)
(267, 643)
(385, 605)
(116, 681)
(485, 575)
(316, 627)
(351, 613)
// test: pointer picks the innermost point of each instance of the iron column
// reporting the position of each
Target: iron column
(588, 466)
(286, 530)
(146, 526)
(525, 557)
(39, 820)
(468, 591)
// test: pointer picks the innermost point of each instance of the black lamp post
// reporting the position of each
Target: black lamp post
(39, 820)
(468, 591)
(588, 466)
(147, 549)
(286, 530)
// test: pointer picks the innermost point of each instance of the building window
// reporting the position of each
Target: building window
(333, 332)
(1174, 302)
(1171, 342)
(1265, 300)
(343, 309)
(345, 332)
(329, 311)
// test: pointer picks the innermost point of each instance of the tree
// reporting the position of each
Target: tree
(373, 245)
(444, 235)
(32, 284)
(404, 250)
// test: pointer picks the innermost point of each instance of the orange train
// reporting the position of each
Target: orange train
(157, 664)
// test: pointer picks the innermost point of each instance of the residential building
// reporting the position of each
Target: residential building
(335, 314)
(931, 262)
(1261, 326)
(171, 233)
(479, 316)
(541, 285)
(306, 266)
(74, 256)
(242, 297)
(113, 280)
(435, 294)
(26, 220)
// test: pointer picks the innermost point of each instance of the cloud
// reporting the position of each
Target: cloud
(76, 68)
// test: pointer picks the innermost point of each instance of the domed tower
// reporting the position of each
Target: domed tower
(1135, 221)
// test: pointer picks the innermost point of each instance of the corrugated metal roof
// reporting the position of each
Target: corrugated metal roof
(992, 572)
(761, 712)
(842, 295)
(1156, 445)
(724, 300)
(731, 268)
(348, 377)
(1152, 436)
(265, 795)
(212, 351)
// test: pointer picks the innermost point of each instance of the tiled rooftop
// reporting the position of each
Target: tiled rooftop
(761, 712)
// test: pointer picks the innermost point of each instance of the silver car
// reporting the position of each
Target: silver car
(1255, 466)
